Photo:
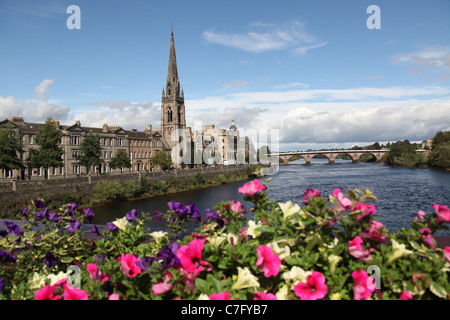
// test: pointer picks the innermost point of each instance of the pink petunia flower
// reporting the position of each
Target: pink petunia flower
(250, 189)
(313, 289)
(95, 273)
(114, 296)
(406, 295)
(129, 267)
(447, 253)
(74, 294)
(190, 255)
(225, 295)
(427, 237)
(367, 210)
(374, 232)
(264, 296)
(46, 293)
(442, 212)
(355, 249)
(236, 206)
(343, 202)
(163, 287)
(310, 193)
(268, 261)
(419, 216)
(361, 287)
(189, 277)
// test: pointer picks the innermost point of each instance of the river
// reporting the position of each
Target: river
(402, 192)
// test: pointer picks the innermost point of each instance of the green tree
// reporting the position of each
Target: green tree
(402, 153)
(440, 138)
(91, 152)
(161, 159)
(49, 152)
(120, 160)
(440, 154)
(10, 148)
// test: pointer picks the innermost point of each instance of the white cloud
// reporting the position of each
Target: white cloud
(137, 115)
(268, 37)
(332, 117)
(431, 60)
(34, 110)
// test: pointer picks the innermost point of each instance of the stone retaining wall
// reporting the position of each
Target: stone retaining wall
(20, 191)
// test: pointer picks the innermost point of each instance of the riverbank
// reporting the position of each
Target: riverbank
(120, 188)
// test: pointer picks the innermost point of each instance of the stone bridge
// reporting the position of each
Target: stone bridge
(332, 154)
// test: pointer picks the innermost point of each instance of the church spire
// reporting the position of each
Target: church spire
(173, 83)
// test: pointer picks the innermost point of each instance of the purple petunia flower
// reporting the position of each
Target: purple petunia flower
(49, 259)
(193, 211)
(145, 263)
(168, 254)
(2, 282)
(178, 208)
(6, 256)
(111, 226)
(71, 208)
(131, 215)
(74, 226)
(39, 204)
(53, 216)
(95, 230)
(24, 211)
(214, 217)
(89, 213)
(12, 228)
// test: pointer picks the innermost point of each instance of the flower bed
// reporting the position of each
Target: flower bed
(323, 248)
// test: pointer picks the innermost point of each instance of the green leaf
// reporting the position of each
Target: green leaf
(66, 259)
(266, 228)
(438, 290)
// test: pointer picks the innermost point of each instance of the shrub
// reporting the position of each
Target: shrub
(107, 191)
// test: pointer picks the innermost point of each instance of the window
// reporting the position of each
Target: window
(120, 142)
(105, 155)
(76, 169)
(75, 140)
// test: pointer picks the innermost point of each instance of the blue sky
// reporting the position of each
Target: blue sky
(311, 69)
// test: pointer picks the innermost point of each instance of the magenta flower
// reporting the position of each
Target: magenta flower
(374, 233)
(447, 253)
(406, 295)
(46, 293)
(95, 273)
(250, 189)
(225, 295)
(74, 294)
(268, 261)
(114, 296)
(264, 296)
(355, 249)
(163, 287)
(310, 193)
(313, 289)
(442, 212)
(427, 237)
(189, 277)
(419, 216)
(343, 202)
(191, 255)
(236, 206)
(367, 210)
(363, 285)
(129, 267)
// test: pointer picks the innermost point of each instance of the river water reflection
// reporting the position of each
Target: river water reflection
(402, 192)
